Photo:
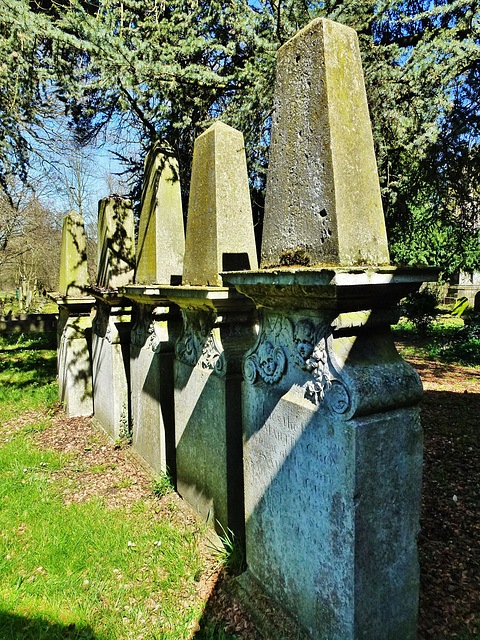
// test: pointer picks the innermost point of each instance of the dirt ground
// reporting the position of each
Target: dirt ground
(449, 543)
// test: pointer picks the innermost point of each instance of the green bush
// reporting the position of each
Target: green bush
(420, 308)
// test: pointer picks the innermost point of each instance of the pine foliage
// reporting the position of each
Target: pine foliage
(159, 70)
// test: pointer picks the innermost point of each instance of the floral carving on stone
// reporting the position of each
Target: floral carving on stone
(101, 322)
(306, 343)
(310, 353)
(144, 332)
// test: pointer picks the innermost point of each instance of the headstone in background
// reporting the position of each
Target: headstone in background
(161, 236)
(116, 242)
(157, 322)
(112, 322)
(74, 322)
(73, 257)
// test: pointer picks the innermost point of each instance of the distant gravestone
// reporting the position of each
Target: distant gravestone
(111, 325)
(323, 194)
(161, 236)
(73, 257)
(219, 227)
(157, 322)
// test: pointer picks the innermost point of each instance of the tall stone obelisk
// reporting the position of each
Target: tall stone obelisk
(332, 437)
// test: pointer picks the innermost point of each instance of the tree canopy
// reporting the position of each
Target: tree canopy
(149, 70)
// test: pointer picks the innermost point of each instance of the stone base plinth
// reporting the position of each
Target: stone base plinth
(332, 452)
(74, 355)
(218, 327)
(110, 364)
(157, 326)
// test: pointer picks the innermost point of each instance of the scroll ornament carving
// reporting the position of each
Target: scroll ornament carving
(310, 353)
(197, 346)
(307, 344)
(144, 333)
(101, 323)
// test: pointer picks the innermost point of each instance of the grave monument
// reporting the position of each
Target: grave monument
(111, 325)
(218, 327)
(74, 323)
(157, 321)
(332, 437)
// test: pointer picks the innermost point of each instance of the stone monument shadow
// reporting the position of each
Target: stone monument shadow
(212, 436)
(15, 626)
(151, 362)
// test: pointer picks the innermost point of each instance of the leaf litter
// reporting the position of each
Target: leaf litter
(449, 541)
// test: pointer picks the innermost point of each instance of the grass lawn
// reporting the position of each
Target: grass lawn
(91, 548)
(86, 550)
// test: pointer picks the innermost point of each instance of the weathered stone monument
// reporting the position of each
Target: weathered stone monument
(157, 322)
(218, 327)
(111, 325)
(332, 437)
(74, 324)
(161, 237)
(323, 193)
(219, 226)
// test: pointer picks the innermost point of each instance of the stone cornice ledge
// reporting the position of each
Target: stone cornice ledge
(339, 288)
(219, 298)
(63, 300)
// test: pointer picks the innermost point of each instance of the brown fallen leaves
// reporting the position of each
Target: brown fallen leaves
(449, 542)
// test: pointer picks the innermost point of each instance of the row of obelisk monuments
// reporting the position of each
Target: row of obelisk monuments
(274, 396)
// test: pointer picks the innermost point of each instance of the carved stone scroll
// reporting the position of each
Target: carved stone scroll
(197, 345)
(284, 343)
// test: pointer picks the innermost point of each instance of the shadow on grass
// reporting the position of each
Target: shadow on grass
(28, 341)
(16, 627)
(39, 370)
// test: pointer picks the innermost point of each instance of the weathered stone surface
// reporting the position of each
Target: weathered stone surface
(161, 237)
(73, 357)
(332, 455)
(116, 244)
(219, 227)
(73, 257)
(218, 327)
(111, 325)
(152, 346)
(111, 372)
(323, 194)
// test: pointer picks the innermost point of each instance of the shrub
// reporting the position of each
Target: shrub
(420, 308)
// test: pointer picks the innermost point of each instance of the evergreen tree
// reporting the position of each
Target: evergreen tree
(164, 70)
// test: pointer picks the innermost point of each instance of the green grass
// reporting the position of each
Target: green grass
(80, 571)
(448, 339)
(162, 485)
(105, 571)
(27, 375)
(13, 306)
